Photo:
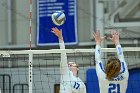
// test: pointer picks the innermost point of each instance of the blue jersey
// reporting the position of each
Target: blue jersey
(117, 84)
(68, 82)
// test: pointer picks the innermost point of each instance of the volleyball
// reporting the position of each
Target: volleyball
(58, 18)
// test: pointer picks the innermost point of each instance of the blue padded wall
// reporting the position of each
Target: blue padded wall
(134, 81)
(92, 81)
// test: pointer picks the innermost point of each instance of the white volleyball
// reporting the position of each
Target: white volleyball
(58, 18)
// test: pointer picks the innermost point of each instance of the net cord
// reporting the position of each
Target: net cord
(127, 49)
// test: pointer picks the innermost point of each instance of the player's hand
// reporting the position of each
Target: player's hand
(97, 37)
(115, 37)
(57, 32)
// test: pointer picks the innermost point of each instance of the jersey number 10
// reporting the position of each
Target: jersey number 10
(114, 88)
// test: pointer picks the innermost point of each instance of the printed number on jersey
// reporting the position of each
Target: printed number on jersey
(114, 88)
(76, 85)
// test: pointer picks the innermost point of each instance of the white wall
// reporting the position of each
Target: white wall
(3, 22)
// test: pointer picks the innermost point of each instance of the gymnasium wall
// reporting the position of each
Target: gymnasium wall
(20, 23)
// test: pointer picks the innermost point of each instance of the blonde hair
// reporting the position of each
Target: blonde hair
(113, 67)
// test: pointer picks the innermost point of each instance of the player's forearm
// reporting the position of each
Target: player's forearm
(120, 52)
(63, 55)
(124, 68)
(63, 65)
(61, 43)
(60, 39)
(117, 43)
(98, 53)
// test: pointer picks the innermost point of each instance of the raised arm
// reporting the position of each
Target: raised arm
(99, 65)
(115, 40)
(98, 40)
(63, 64)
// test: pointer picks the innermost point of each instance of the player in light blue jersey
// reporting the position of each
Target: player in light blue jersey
(69, 82)
(114, 78)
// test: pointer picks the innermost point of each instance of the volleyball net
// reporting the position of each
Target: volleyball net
(37, 71)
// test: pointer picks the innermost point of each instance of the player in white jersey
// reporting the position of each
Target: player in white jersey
(114, 78)
(69, 82)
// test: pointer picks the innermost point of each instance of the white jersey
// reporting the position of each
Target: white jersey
(117, 84)
(69, 83)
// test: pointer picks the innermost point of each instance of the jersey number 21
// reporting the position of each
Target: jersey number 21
(114, 88)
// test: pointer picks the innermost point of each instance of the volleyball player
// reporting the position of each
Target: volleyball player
(114, 78)
(69, 82)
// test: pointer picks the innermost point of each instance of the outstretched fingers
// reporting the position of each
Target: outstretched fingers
(97, 33)
(94, 34)
(113, 32)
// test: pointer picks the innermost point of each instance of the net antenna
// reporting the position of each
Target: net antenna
(30, 54)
